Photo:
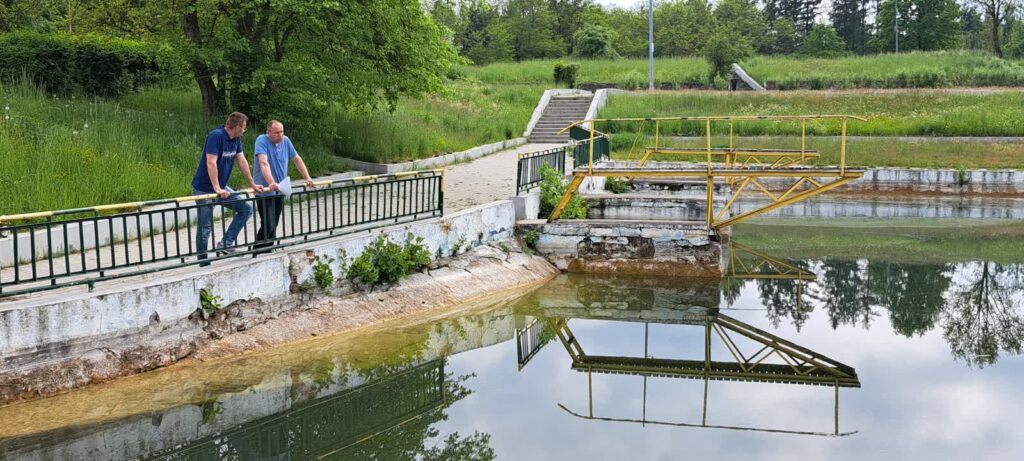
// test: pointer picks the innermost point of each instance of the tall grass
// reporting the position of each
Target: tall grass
(871, 152)
(906, 70)
(466, 115)
(63, 153)
(911, 113)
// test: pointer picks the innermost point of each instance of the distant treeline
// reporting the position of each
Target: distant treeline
(487, 31)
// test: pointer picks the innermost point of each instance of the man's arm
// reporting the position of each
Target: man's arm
(261, 159)
(211, 170)
(302, 170)
(246, 173)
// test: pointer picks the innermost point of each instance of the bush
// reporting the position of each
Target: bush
(566, 74)
(616, 185)
(90, 64)
(594, 42)
(823, 42)
(552, 188)
(386, 261)
(725, 47)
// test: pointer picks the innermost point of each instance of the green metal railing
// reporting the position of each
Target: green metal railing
(88, 245)
(529, 165)
(584, 139)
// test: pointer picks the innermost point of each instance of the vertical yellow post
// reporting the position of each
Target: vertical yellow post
(730, 135)
(590, 165)
(842, 149)
(657, 133)
(803, 140)
(707, 136)
(711, 197)
(730, 157)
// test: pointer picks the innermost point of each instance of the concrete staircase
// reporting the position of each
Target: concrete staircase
(559, 113)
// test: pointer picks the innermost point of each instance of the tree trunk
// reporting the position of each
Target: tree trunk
(996, 20)
(213, 97)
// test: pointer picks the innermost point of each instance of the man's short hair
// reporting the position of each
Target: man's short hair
(272, 122)
(236, 119)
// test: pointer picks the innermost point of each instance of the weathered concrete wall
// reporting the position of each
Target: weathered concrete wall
(70, 337)
(677, 207)
(630, 247)
(832, 205)
(138, 434)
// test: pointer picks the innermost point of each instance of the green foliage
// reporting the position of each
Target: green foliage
(66, 153)
(634, 81)
(322, 273)
(460, 244)
(616, 185)
(389, 262)
(88, 64)
(530, 238)
(726, 46)
(594, 42)
(565, 74)
(780, 39)
(1015, 45)
(823, 42)
(552, 188)
(925, 25)
(208, 301)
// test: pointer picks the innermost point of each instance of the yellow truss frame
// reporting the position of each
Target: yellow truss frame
(808, 182)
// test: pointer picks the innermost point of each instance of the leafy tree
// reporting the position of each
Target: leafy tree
(781, 38)
(629, 27)
(594, 42)
(971, 28)
(823, 42)
(924, 24)
(530, 25)
(982, 319)
(569, 19)
(913, 294)
(482, 38)
(996, 14)
(801, 12)
(849, 19)
(682, 27)
(1015, 45)
(741, 15)
(724, 47)
(845, 293)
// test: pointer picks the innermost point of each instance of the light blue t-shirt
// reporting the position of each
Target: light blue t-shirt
(277, 156)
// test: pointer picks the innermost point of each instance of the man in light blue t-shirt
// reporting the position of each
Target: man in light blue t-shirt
(273, 150)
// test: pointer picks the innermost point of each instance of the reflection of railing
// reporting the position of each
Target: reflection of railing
(808, 181)
(529, 165)
(326, 426)
(746, 263)
(84, 245)
(529, 342)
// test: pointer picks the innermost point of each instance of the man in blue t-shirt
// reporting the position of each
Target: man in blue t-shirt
(223, 149)
(273, 150)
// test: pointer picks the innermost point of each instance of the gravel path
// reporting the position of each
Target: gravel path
(485, 179)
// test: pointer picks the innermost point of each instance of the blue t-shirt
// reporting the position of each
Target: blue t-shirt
(277, 156)
(220, 144)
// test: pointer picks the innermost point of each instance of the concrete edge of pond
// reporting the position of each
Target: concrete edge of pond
(65, 339)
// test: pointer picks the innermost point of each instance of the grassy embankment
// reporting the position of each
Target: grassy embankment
(904, 240)
(906, 70)
(64, 153)
(912, 113)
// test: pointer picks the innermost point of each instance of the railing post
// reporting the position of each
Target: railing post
(657, 133)
(590, 165)
(842, 150)
(803, 140)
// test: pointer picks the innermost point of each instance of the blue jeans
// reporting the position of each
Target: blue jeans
(205, 227)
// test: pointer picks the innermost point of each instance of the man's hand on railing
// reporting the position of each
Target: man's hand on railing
(273, 187)
(221, 192)
(256, 187)
(309, 183)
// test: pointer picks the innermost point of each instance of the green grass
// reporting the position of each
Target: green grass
(903, 113)
(906, 70)
(65, 153)
(467, 115)
(905, 240)
(875, 152)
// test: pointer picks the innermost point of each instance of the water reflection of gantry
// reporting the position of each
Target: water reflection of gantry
(754, 355)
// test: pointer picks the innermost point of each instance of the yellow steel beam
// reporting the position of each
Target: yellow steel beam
(781, 203)
(763, 118)
(727, 172)
(574, 185)
(735, 195)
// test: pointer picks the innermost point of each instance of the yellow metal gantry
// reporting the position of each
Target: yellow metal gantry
(734, 166)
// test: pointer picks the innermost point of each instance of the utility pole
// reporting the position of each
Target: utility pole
(896, 7)
(650, 48)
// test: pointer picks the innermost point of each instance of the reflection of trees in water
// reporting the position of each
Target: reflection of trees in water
(976, 304)
(913, 293)
(981, 318)
(792, 299)
(844, 291)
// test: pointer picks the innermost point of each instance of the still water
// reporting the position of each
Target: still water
(815, 357)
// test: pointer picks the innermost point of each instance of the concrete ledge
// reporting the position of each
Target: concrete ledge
(436, 162)
(527, 205)
(131, 324)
